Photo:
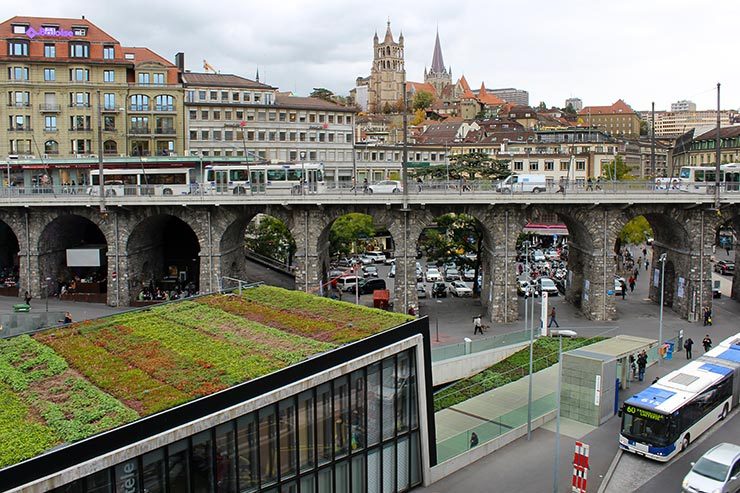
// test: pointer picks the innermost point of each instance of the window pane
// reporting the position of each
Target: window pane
(413, 386)
(389, 469)
(99, 482)
(402, 464)
(201, 469)
(415, 460)
(247, 440)
(291, 487)
(341, 477)
(325, 480)
(225, 460)
(287, 438)
(127, 478)
(373, 471)
(306, 425)
(178, 466)
(268, 444)
(341, 416)
(402, 396)
(358, 474)
(389, 391)
(357, 438)
(324, 422)
(373, 404)
(153, 471)
(308, 484)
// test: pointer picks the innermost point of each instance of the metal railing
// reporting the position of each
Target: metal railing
(441, 353)
(13, 324)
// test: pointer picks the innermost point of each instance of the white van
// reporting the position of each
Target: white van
(522, 183)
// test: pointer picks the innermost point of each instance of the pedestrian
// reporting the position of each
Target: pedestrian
(419, 183)
(364, 186)
(473, 439)
(639, 262)
(27, 298)
(641, 364)
(707, 343)
(590, 184)
(647, 264)
(631, 281)
(477, 325)
(644, 253)
(624, 288)
(709, 316)
(727, 248)
(633, 366)
(687, 346)
(552, 319)
(705, 316)
(67, 318)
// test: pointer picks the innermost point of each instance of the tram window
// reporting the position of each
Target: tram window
(239, 175)
(276, 175)
(699, 175)
(294, 175)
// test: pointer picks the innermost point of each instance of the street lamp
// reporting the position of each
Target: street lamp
(303, 172)
(526, 244)
(662, 260)
(46, 293)
(556, 465)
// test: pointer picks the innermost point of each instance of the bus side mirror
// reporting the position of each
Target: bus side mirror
(619, 413)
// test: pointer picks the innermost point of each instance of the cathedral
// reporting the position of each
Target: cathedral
(438, 76)
(385, 85)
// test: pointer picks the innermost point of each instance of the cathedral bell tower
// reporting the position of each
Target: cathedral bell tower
(386, 74)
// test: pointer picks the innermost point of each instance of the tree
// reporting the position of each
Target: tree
(322, 93)
(636, 231)
(570, 110)
(542, 106)
(271, 238)
(623, 172)
(644, 128)
(347, 230)
(470, 166)
(419, 116)
(422, 100)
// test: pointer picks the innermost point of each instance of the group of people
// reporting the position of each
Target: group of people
(156, 293)
(638, 365)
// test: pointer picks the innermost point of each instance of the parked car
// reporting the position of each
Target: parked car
(452, 274)
(718, 470)
(459, 288)
(716, 293)
(523, 287)
(389, 260)
(421, 290)
(724, 267)
(345, 283)
(439, 290)
(366, 260)
(538, 256)
(547, 285)
(378, 257)
(433, 275)
(334, 273)
(385, 186)
(552, 254)
(468, 274)
(392, 273)
(370, 271)
(419, 274)
(367, 286)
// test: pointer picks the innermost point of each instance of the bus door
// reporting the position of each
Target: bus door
(221, 179)
(258, 180)
(311, 180)
(732, 181)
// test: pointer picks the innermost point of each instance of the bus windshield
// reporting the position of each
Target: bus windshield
(646, 426)
(685, 173)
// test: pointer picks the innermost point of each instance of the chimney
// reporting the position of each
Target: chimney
(180, 61)
(83, 17)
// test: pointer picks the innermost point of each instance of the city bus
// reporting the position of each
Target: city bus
(701, 179)
(151, 181)
(663, 419)
(287, 177)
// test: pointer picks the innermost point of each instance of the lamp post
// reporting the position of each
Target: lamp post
(556, 465)
(303, 172)
(46, 293)
(531, 341)
(662, 289)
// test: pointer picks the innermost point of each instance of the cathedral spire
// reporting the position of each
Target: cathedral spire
(388, 33)
(438, 64)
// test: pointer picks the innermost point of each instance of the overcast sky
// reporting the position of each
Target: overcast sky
(640, 51)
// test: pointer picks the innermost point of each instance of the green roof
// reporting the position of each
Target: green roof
(66, 384)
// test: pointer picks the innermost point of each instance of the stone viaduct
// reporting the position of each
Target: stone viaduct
(207, 233)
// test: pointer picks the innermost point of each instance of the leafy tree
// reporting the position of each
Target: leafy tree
(623, 172)
(644, 127)
(542, 106)
(570, 110)
(422, 100)
(270, 237)
(387, 108)
(469, 166)
(636, 231)
(322, 93)
(419, 116)
(347, 230)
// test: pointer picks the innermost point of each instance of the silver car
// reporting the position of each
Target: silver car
(716, 471)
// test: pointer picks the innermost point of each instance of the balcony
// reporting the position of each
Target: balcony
(110, 109)
(50, 108)
(51, 129)
(138, 107)
(79, 105)
(23, 104)
(139, 130)
(164, 131)
(80, 129)
(20, 129)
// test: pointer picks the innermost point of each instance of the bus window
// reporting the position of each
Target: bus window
(709, 176)
(209, 175)
(166, 179)
(275, 175)
(319, 175)
(294, 175)
(699, 175)
(239, 175)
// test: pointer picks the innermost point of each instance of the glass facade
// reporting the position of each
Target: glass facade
(357, 433)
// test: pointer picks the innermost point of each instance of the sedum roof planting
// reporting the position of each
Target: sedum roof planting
(66, 384)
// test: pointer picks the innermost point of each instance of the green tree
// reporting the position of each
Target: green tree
(644, 127)
(473, 165)
(322, 93)
(623, 172)
(636, 231)
(422, 100)
(570, 110)
(270, 237)
(348, 230)
(542, 106)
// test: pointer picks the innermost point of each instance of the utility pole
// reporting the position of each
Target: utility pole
(404, 165)
(101, 178)
(652, 143)
(717, 169)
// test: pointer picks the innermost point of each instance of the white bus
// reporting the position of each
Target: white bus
(702, 179)
(287, 177)
(132, 181)
(663, 419)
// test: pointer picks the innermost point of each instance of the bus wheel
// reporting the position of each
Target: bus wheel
(685, 443)
(395, 190)
(167, 191)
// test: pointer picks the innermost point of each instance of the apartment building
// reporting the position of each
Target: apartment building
(62, 78)
(229, 115)
(618, 119)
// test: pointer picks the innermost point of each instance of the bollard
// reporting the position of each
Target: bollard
(468, 345)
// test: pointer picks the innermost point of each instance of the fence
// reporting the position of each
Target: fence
(442, 353)
(493, 428)
(13, 324)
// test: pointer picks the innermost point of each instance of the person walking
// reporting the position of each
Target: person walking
(631, 281)
(624, 288)
(477, 325)
(647, 264)
(707, 343)
(553, 320)
(27, 298)
(639, 262)
(633, 366)
(687, 346)
(705, 316)
(641, 365)
(473, 439)
(709, 316)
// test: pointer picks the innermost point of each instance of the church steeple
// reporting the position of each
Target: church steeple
(388, 33)
(438, 64)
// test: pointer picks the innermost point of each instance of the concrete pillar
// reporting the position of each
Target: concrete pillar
(306, 229)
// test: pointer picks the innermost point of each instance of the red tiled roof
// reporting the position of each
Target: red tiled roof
(420, 86)
(488, 99)
(145, 55)
(618, 107)
(221, 80)
(94, 33)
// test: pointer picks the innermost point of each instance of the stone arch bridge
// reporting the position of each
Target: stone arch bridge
(206, 235)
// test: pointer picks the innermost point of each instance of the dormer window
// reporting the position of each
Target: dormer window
(129, 56)
(79, 31)
(19, 28)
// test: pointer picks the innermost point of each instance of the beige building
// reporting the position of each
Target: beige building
(64, 77)
(675, 123)
(619, 119)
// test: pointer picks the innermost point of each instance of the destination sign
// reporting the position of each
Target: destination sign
(643, 413)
